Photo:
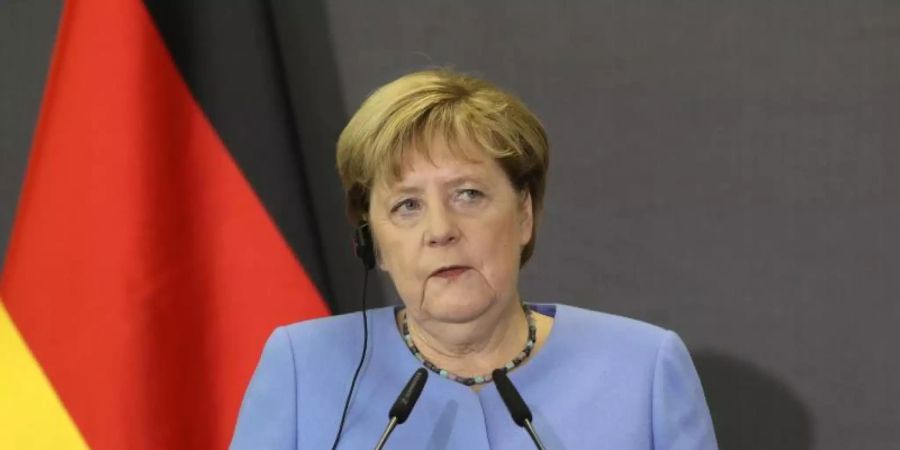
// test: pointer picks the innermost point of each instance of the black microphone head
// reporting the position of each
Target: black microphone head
(514, 403)
(408, 396)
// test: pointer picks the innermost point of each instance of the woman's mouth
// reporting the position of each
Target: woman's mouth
(449, 272)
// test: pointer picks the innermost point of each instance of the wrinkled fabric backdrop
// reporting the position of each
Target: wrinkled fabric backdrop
(726, 169)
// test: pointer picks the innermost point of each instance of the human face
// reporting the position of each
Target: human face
(450, 233)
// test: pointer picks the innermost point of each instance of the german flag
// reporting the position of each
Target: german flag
(149, 260)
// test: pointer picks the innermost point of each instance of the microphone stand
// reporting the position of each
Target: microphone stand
(534, 435)
(386, 434)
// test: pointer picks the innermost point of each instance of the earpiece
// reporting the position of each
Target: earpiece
(363, 245)
(365, 250)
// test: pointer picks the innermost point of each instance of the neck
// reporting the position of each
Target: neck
(476, 347)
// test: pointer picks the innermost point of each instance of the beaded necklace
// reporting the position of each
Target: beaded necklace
(481, 379)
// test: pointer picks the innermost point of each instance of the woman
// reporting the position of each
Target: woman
(448, 172)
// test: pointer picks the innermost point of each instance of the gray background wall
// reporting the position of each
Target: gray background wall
(728, 169)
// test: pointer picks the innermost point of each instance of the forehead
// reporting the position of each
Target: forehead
(439, 161)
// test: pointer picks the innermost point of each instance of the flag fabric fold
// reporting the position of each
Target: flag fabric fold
(143, 272)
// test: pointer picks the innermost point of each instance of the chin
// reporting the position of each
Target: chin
(461, 308)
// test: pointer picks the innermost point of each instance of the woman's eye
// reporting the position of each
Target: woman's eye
(470, 194)
(405, 206)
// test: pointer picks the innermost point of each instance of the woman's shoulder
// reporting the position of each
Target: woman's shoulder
(626, 349)
(607, 331)
(596, 321)
(333, 333)
(647, 367)
(324, 337)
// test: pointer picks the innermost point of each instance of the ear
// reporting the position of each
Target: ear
(526, 218)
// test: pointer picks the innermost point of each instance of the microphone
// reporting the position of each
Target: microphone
(521, 415)
(404, 404)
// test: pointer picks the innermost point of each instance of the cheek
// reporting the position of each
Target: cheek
(393, 257)
(398, 260)
(388, 243)
(499, 247)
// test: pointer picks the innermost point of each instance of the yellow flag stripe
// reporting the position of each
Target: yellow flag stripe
(31, 414)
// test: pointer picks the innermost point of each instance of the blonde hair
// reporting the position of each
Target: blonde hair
(406, 113)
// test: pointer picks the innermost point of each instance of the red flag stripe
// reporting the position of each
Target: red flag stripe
(142, 271)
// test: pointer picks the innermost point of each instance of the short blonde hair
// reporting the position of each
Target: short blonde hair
(406, 113)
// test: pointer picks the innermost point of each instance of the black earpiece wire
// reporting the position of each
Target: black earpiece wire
(362, 359)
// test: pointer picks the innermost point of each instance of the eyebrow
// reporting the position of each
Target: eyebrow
(455, 181)
(404, 190)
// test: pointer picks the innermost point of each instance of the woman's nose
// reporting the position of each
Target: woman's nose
(441, 228)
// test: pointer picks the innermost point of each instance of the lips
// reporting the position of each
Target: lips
(449, 272)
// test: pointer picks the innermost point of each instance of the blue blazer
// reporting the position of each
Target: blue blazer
(599, 382)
